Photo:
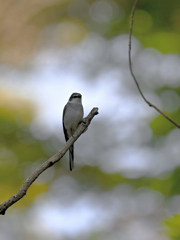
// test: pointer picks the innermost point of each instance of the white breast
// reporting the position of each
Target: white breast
(73, 115)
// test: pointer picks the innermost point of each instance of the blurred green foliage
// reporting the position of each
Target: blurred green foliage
(18, 147)
(161, 126)
(156, 24)
(172, 228)
(166, 184)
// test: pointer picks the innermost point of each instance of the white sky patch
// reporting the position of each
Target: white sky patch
(58, 220)
(50, 93)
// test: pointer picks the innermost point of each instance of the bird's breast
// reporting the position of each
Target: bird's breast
(74, 114)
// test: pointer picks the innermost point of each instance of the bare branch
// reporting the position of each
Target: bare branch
(132, 74)
(22, 191)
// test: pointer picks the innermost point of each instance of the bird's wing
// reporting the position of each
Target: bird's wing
(64, 129)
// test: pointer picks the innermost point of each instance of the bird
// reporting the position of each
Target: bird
(72, 116)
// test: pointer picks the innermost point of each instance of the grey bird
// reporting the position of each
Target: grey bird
(72, 115)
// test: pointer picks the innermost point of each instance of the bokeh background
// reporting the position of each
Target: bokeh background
(127, 167)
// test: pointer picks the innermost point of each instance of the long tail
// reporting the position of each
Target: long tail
(71, 157)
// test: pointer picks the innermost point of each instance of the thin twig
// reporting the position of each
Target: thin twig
(51, 161)
(132, 74)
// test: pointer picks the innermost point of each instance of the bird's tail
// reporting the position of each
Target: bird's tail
(71, 157)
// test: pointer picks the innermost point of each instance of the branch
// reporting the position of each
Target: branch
(132, 74)
(51, 161)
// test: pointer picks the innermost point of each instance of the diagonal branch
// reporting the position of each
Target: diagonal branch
(132, 74)
(22, 191)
